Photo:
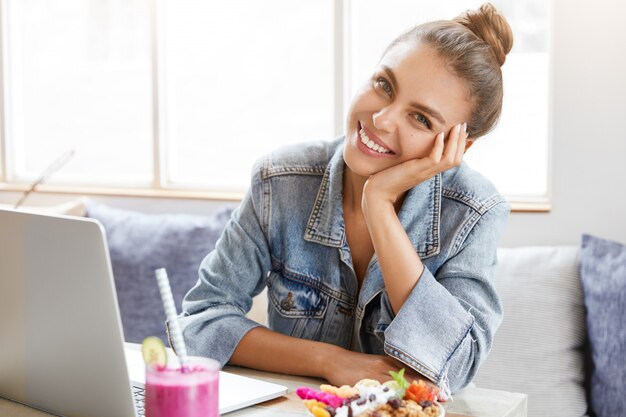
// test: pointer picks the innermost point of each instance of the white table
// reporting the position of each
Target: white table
(471, 402)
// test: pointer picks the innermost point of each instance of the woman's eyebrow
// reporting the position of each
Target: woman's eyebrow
(434, 113)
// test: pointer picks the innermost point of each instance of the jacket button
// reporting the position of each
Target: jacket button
(287, 302)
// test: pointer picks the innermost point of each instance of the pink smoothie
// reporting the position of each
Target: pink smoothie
(172, 393)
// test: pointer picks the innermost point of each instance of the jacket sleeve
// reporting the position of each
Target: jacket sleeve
(445, 328)
(213, 313)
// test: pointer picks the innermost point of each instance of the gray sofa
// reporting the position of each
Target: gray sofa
(540, 347)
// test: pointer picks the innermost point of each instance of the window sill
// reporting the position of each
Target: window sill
(516, 206)
(128, 192)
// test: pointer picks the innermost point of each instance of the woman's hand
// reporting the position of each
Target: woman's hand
(392, 182)
(399, 263)
(350, 367)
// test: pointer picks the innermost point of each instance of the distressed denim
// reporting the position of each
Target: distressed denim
(288, 235)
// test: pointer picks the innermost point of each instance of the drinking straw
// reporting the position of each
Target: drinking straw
(172, 318)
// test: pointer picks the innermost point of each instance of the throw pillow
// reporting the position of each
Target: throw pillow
(538, 349)
(139, 243)
(603, 273)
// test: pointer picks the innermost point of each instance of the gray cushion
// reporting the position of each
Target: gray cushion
(538, 349)
(140, 243)
(604, 284)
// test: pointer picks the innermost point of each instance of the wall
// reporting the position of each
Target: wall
(588, 128)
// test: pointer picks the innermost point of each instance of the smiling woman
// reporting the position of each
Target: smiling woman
(378, 248)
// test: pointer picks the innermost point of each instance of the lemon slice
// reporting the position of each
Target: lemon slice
(393, 385)
(153, 351)
(367, 383)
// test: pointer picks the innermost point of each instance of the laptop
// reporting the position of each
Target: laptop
(61, 341)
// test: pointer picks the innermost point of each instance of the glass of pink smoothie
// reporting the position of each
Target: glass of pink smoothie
(172, 393)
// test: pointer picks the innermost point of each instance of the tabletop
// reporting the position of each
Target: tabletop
(470, 402)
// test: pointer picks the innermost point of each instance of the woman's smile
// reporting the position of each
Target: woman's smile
(372, 145)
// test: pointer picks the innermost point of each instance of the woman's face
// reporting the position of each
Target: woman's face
(395, 116)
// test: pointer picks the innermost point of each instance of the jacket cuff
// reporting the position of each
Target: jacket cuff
(216, 332)
(425, 339)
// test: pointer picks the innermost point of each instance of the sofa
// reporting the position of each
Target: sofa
(544, 347)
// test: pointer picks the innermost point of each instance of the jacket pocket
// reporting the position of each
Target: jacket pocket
(296, 308)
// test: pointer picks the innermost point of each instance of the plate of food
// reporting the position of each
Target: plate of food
(370, 398)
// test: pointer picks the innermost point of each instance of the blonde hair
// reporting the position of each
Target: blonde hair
(474, 45)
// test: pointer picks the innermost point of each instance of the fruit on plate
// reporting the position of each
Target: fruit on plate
(419, 391)
(369, 398)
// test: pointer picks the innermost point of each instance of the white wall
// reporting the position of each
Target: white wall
(588, 128)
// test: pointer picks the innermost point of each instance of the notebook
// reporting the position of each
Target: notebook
(61, 344)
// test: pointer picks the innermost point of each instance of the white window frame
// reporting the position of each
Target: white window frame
(159, 186)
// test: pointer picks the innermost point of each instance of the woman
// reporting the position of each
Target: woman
(378, 249)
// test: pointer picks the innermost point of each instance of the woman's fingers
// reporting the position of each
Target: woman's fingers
(438, 148)
(445, 154)
(460, 151)
(449, 153)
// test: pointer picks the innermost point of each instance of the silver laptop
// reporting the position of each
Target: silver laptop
(61, 340)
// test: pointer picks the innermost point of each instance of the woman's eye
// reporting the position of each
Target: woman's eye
(384, 85)
(422, 119)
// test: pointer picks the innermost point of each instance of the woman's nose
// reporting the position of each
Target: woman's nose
(385, 119)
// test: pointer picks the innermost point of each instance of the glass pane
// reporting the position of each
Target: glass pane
(79, 77)
(515, 155)
(241, 78)
(2, 165)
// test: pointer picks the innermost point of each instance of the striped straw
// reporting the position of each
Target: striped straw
(172, 317)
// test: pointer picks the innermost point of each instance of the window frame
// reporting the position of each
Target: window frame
(159, 186)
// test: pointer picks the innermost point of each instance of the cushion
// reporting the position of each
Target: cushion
(140, 243)
(603, 274)
(538, 349)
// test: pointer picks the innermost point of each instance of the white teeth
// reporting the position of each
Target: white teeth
(371, 144)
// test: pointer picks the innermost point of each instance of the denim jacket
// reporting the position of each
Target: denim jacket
(288, 235)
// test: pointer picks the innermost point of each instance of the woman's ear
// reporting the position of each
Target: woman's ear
(469, 143)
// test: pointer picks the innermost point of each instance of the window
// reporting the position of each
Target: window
(239, 79)
(186, 94)
(77, 75)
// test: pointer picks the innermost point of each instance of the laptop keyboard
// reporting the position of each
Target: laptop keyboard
(139, 394)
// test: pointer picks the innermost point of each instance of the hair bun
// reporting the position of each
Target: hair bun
(490, 26)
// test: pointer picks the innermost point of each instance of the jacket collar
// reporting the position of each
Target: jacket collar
(326, 224)
(419, 214)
